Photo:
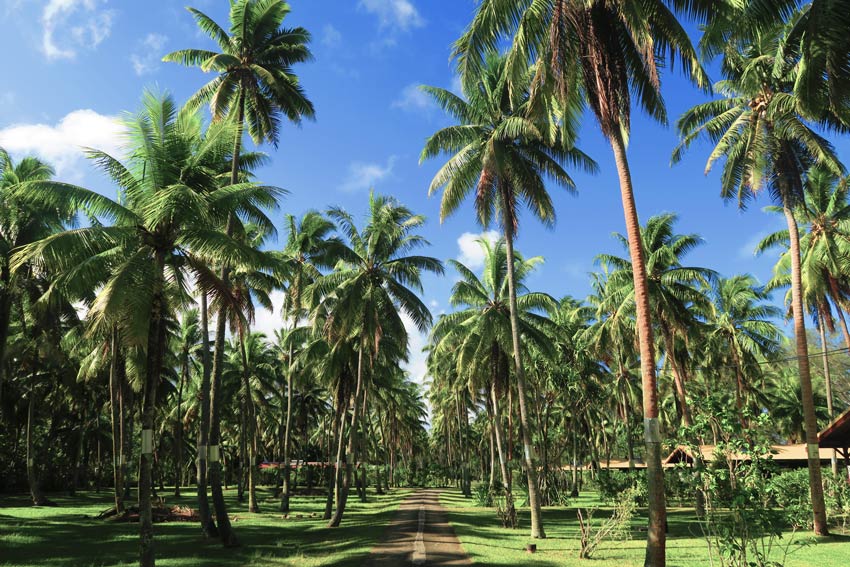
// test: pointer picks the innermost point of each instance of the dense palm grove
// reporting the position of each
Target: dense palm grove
(127, 355)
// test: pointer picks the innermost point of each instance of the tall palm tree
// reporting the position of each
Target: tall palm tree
(20, 223)
(254, 87)
(374, 282)
(307, 249)
(767, 144)
(169, 207)
(675, 290)
(740, 323)
(606, 51)
(188, 346)
(479, 335)
(502, 150)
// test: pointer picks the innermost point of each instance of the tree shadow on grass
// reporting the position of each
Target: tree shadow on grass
(80, 540)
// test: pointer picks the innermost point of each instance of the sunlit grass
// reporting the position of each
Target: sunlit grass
(487, 543)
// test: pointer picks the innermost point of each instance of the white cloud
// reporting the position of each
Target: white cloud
(456, 86)
(413, 99)
(146, 59)
(331, 37)
(61, 144)
(267, 322)
(363, 175)
(416, 365)
(70, 24)
(471, 254)
(396, 14)
(747, 251)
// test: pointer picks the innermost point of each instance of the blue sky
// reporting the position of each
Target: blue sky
(78, 64)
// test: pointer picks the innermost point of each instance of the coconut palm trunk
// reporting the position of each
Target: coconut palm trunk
(287, 434)
(153, 368)
(225, 530)
(510, 509)
(5, 317)
(115, 413)
(678, 374)
(207, 523)
(527, 449)
(828, 381)
(178, 430)
(656, 534)
(344, 482)
(809, 418)
(250, 455)
(38, 497)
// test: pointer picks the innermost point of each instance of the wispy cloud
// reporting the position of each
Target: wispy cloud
(61, 143)
(362, 175)
(413, 99)
(747, 251)
(149, 53)
(68, 25)
(471, 254)
(394, 14)
(331, 37)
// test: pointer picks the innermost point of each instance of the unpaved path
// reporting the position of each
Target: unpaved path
(420, 534)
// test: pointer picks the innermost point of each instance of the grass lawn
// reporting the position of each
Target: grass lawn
(69, 535)
(488, 543)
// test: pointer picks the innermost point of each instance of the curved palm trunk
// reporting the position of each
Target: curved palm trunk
(250, 429)
(178, 429)
(527, 449)
(656, 539)
(38, 498)
(828, 379)
(225, 530)
(810, 421)
(344, 483)
(284, 497)
(510, 510)
(5, 317)
(115, 413)
(153, 368)
(207, 523)
(678, 374)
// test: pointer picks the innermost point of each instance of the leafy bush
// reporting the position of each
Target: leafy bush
(612, 484)
(790, 492)
(483, 496)
(617, 526)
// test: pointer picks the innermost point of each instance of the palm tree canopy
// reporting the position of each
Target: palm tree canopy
(502, 145)
(255, 66)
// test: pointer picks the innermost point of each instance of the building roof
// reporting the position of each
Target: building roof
(780, 453)
(837, 434)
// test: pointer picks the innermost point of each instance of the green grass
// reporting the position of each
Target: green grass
(69, 535)
(488, 543)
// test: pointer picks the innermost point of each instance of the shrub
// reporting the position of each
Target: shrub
(617, 526)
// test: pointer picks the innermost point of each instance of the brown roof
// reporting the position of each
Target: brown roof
(780, 453)
(837, 434)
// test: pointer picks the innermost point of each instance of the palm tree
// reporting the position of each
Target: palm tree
(169, 206)
(767, 143)
(740, 325)
(375, 281)
(188, 345)
(817, 36)
(307, 249)
(502, 150)
(480, 334)
(675, 291)
(255, 85)
(607, 51)
(20, 223)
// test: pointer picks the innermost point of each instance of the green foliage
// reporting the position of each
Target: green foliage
(743, 522)
(612, 484)
(617, 526)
